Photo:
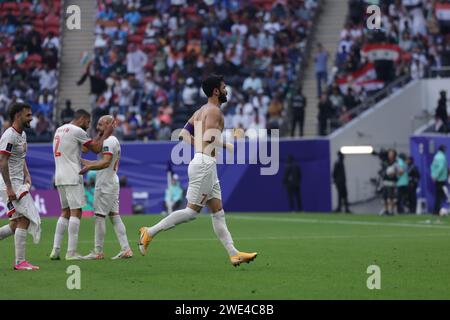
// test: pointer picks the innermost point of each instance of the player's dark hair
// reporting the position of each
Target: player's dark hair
(17, 108)
(81, 113)
(211, 83)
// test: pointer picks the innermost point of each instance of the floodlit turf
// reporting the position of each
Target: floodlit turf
(301, 256)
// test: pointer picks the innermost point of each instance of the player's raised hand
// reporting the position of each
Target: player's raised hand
(229, 147)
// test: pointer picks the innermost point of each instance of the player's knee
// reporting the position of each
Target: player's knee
(23, 223)
(65, 213)
(13, 225)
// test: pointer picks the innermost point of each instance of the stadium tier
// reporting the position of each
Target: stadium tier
(29, 61)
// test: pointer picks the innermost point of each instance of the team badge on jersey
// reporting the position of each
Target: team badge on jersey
(106, 149)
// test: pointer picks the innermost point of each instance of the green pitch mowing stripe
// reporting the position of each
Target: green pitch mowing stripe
(301, 256)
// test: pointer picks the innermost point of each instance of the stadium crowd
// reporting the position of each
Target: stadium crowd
(414, 38)
(150, 57)
(29, 55)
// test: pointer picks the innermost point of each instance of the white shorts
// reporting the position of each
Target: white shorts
(203, 181)
(22, 208)
(104, 203)
(72, 196)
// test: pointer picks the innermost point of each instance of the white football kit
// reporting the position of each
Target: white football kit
(14, 144)
(106, 196)
(67, 145)
(203, 181)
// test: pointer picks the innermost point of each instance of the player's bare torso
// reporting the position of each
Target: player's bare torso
(199, 118)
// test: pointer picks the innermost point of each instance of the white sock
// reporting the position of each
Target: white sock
(121, 232)
(5, 232)
(175, 218)
(74, 227)
(100, 230)
(61, 227)
(20, 238)
(221, 230)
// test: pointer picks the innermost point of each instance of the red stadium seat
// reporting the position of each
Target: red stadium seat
(10, 6)
(38, 23)
(135, 38)
(33, 58)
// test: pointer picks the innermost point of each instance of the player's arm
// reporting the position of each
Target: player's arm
(187, 133)
(26, 173)
(103, 163)
(4, 168)
(97, 144)
(212, 134)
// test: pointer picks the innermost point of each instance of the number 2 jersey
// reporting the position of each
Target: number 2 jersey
(67, 145)
(106, 180)
(14, 144)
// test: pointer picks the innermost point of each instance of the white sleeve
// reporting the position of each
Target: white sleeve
(7, 142)
(82, 137)
(108, 147)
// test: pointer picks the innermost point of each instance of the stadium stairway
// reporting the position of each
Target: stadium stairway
(329, 26)
(74, 43)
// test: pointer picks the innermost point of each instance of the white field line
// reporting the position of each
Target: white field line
(363, 223)
(306, 237)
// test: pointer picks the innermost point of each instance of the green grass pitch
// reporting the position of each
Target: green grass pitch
(301, 256)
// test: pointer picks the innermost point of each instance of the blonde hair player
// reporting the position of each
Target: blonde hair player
(204, 187)
(106, 196)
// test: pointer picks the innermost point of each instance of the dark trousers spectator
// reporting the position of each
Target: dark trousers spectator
(295, 195)
(323, 123)
(412, 198)
(342, 197)
(321, 76)
(402, 197)
(298, 116)
(439, 196)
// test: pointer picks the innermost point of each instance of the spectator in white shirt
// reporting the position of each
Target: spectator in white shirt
(190, 94)
(252, 82)
(51, 41)
(136, 61)
(47, 79)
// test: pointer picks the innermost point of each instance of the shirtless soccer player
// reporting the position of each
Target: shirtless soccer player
(70, 139)
(15, 182)
(204, 187)
(106, 196)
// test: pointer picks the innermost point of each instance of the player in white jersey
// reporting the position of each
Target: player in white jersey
(15, 183)
(204, 187)
(106, 196)
(70, 140)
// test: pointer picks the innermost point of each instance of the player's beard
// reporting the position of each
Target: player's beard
(222, 98)
(26, 124)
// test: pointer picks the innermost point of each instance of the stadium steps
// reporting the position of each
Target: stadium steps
(329, 25)
(74, 43)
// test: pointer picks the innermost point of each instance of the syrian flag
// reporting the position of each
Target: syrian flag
(443, 11)
(381, 51)
(366, 78)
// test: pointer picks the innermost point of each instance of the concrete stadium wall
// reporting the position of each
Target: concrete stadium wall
(388, 124)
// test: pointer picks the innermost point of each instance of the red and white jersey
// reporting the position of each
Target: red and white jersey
(106, 180)
(14, 144)
(67, 145)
